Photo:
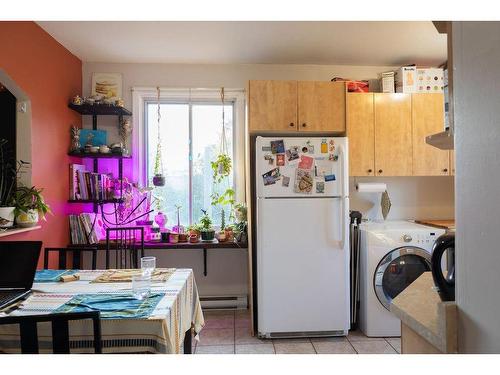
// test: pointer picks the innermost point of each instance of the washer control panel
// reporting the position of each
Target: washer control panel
(420, 238)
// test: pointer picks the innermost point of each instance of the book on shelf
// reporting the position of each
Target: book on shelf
(84, 229)
(85, 185)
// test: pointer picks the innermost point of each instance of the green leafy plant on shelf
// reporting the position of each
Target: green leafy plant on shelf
(206, 228)
(221, 169)
(30, 198)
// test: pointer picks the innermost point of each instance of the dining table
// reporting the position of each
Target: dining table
(162, 322)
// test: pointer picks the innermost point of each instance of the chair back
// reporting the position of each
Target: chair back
(60, 330)
(126, 243)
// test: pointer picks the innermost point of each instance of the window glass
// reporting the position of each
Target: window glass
(205, 129)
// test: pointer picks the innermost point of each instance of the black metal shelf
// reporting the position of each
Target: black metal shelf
(100, 109)
(96, 201)
(87, 155)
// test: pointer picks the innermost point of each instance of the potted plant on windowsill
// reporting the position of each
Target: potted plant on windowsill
(207, 230)
(30, 206)
(9, 173)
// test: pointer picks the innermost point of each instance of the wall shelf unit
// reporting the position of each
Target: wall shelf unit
(96, 110)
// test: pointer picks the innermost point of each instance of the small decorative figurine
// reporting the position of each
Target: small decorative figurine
(119, 102)
(75, 139)
(77, 100)
(124, 132)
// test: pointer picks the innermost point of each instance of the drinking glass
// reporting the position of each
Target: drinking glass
(148, 264)
(141, 284)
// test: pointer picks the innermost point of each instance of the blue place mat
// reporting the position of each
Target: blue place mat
(113, 306)
(51, 276)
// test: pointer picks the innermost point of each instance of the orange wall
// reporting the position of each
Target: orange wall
(50, 75)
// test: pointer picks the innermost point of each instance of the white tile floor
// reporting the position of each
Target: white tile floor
(228, 332)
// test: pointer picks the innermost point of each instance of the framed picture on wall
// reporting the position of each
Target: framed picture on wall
(107, 84)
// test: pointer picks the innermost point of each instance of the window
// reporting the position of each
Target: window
(191, 136)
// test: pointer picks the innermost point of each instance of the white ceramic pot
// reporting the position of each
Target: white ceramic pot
(27, 219)
(7, 217)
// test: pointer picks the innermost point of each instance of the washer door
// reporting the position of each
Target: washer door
(398, 269)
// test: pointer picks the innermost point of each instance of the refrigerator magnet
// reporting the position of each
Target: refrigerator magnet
(285, 181)
(280, 160)
(333, 157)
(278, 147)
(271, 177)
(292, 153)
(266, 148)
(303, 181)
(306, 162)
(269, 158)
(329, 177)
(320, 187)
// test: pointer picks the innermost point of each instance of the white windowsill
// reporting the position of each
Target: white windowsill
(10, 232)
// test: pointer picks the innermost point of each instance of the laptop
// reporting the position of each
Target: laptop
(18, 261)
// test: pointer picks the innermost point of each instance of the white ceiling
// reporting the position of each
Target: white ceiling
(323, 43)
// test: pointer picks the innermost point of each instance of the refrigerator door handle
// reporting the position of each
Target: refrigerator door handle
(342, 164)
(342, 171)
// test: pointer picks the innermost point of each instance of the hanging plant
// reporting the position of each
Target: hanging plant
(221, 167)
(158, 178)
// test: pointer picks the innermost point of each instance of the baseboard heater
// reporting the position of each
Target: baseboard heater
(224, 302)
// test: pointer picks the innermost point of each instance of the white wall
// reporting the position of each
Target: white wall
(476, 55)
(411, 197)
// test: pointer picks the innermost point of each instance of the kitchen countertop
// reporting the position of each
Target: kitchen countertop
(444, 224)
(420, 308)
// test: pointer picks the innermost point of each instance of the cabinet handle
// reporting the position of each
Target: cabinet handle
(304, 125)
(380, 171)
(292, 124)
(445, 170)
(370, 171)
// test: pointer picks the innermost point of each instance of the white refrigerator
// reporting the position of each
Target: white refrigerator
(302, 243)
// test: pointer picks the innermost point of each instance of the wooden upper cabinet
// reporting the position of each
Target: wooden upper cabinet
(272, 106)
(361, 134)
(427, 119)
(393, 136)
(321, 106)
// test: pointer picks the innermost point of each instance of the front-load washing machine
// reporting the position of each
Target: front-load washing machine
(393, 254)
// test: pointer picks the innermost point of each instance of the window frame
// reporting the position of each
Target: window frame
(144, 96)
(190, 104)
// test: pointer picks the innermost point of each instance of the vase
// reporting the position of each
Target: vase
(7, 217)
(161, 219)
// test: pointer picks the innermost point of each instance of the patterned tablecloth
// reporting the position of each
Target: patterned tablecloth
(161, 332)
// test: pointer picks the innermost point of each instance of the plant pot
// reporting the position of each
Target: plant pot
(221, 236)
(7, 217)
(229, 234)
(159, 180)
(183, 237)
(208, 235)
(27, 219)
(173, 237)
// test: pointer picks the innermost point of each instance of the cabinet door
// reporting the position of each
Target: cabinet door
(361, 134)
(272, 106)
(321, 106)
(393, 152)
(428, 118)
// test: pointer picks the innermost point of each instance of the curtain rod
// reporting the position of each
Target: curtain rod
(187, 89)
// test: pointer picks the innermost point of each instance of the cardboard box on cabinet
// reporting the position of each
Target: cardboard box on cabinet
(430, 80)
(406, 79)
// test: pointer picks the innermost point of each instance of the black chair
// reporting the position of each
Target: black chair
(60, 330)
(76, 252)
(127, 243)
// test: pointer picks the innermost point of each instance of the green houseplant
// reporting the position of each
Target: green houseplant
(29, 205)
(9, 173)
(207, 230)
